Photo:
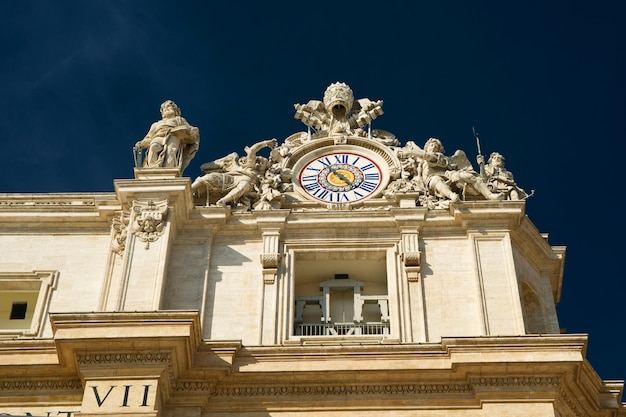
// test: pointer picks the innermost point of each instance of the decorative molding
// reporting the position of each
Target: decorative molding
(307, 390)
(516, 381)
(105, 360)
(45, 203)
(194, 386)
(571, 404)
(41, 384)
(123, 358)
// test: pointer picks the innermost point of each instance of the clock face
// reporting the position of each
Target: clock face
(341, 177)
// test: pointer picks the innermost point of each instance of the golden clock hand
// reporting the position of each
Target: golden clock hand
(340, 175)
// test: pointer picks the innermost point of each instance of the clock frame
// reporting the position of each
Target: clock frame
(340, 174)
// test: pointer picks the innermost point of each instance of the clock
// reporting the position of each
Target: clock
(341, 174)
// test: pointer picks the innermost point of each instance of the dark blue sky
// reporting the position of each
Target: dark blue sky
(543, 82)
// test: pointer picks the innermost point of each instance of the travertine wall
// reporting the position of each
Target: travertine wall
(235, 295)
(472, 282)
(537, 279)
(79, 258)
(451, 295)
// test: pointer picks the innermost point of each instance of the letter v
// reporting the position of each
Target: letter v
(95, 391)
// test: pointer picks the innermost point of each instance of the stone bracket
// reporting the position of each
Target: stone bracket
(411, 254)
(271, 224)
(270, 257)
(269, 262)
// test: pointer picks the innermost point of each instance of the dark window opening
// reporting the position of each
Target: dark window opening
(18, 311)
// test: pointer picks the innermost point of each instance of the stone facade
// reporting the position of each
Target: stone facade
(413, 287)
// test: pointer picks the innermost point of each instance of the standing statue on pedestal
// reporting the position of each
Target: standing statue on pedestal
(171, 142)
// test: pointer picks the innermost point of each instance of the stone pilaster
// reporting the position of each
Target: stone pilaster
(271, 224)
(156, 208)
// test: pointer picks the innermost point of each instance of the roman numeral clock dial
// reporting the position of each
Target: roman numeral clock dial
(345, 176)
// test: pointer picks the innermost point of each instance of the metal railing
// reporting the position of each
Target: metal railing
(341, 329)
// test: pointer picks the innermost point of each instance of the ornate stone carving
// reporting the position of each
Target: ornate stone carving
(444, 176)
(119, 229)
(171, 142)
(237, 180)
(419, 176)
(339, 114)
(150, 220)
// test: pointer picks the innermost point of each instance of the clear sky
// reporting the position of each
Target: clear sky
(542, 81)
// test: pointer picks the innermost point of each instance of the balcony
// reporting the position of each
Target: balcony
(341, 329)
(346, 294)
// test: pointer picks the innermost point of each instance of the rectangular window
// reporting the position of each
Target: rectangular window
(18, 310)
(24, 301)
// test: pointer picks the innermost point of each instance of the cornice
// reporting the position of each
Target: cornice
(207, 373)
(69, 211)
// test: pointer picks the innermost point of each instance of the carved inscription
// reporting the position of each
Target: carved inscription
(126, 388)
(122, 395)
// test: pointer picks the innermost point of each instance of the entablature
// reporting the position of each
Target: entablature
(97, 351)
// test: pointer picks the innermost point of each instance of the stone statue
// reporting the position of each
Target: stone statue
(499, 179)
(446, 176)
(269, 191)
(235, 179)
(339, 113)
(171, 142)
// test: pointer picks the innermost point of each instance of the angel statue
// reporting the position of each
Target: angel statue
(232, 178)
(445, 176)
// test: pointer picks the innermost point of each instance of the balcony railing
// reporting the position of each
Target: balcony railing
(341, 329)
